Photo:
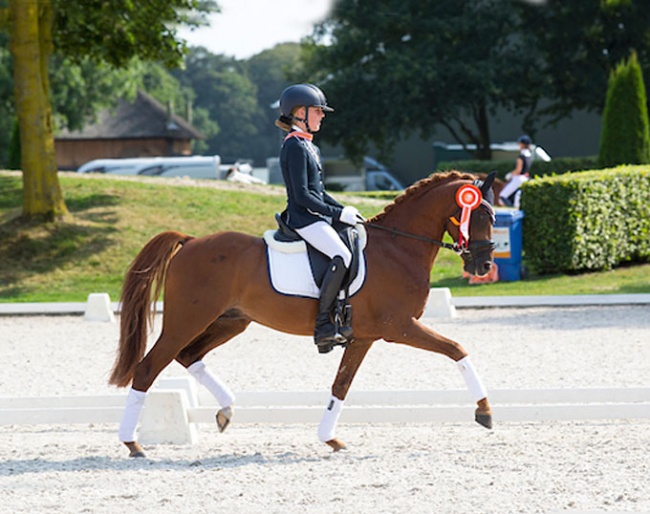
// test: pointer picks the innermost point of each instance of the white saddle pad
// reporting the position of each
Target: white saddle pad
(290, 272)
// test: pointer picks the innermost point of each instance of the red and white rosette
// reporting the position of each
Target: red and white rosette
(468, 198)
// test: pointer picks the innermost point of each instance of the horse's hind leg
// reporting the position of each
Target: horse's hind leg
(222, 330)
(352, 359)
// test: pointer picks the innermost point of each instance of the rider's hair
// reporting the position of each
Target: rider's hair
(286, 122)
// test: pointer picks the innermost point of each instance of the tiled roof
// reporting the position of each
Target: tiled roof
(145, 117)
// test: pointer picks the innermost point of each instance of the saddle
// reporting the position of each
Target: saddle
(318, 261)
(297, 269)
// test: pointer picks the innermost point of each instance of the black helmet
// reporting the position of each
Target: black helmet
(524, 139)
(300, 95)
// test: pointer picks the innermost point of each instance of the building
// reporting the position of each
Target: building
(142, 128)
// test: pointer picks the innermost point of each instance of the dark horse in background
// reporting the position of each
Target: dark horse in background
(216, 285)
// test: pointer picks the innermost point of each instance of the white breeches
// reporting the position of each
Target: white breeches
(515, 183)
(324, 238)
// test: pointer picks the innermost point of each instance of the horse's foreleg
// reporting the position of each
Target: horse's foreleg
(352, 359)
(483, 413)
(420, 336)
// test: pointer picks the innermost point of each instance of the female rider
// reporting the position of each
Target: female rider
(310, 210)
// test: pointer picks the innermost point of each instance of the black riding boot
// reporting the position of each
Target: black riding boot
(325, 332)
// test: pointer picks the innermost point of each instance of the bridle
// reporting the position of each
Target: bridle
(463, 248)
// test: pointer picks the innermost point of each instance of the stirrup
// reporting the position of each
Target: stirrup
(326, 342)
(343, 320)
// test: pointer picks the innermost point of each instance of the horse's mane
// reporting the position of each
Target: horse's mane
(421, 186)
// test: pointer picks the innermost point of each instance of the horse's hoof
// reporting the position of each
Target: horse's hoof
(224, 416)
(483, 419)
(336, 445)
(135, 450)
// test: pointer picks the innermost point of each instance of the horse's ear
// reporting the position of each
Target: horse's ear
(486, 186)
(487, 183)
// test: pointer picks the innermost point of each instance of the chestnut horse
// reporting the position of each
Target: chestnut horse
(216, 285)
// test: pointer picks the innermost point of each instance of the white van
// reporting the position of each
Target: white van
(198, 167)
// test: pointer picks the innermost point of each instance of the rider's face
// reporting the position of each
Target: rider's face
(316, 116)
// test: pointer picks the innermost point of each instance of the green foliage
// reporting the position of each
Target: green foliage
(625, 137)
(580, 42)
(13, 157)
(395, 67)
(6, 98)
(268, 71)
(557, 166)
(114, 31)
(237, 96)
(592, 220)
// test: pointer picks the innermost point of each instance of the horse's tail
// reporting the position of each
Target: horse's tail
(141, 289)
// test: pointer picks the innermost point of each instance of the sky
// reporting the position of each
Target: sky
(244, 28)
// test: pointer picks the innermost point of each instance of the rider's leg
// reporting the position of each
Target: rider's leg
(512, 186)
(324, 238)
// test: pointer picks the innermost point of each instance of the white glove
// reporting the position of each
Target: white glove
(351, 216)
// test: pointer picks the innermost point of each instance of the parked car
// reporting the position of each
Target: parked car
(198, 167)
(344, 175)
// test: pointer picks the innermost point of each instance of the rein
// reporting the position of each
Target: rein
(426, 239)
(456, 247)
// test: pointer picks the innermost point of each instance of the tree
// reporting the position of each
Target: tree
(31, 47)
(269, 71)
(224, 91)
(580, 43)
(625, 138)
(398, 66)
(111, 31)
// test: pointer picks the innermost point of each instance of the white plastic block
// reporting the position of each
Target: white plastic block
(165, 420)
(98, 308)
(440, 304)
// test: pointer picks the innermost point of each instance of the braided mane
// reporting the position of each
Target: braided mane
(421, 186)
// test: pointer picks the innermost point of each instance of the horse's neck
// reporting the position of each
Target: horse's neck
(424, 216)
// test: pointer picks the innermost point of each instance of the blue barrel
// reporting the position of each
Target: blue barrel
(508, 237)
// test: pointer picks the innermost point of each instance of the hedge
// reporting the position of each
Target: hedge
(593, 220)
(557, 166)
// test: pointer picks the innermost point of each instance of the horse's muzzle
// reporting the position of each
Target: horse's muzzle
(477, 258)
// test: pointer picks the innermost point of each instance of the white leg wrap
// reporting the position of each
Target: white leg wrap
(134, 403)
(219, 390)
(474, 385)
(327, 427)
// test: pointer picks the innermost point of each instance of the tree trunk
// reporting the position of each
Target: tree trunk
(31, 46)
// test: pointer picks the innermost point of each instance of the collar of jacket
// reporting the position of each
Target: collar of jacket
(301, 134)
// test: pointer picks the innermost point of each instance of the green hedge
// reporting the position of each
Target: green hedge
(557, 166)
(593, 220)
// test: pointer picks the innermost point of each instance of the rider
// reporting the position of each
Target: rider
(519, 175)
(310, 210)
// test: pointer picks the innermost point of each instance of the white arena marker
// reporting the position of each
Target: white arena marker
(439, 304)
(98, 308)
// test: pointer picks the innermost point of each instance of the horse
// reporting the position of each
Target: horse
(215, 286)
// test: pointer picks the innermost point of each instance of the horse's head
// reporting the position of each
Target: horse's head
(471, 225)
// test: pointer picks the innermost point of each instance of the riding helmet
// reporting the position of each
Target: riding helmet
(300, 95)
